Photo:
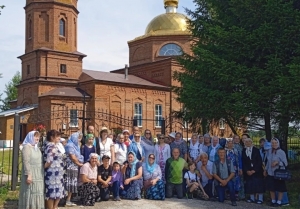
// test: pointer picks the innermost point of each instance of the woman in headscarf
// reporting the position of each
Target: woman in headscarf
(233, 155)
(54, 170)
(181, 145)
(32, 176)
(73, 162)
(133, 178)
(212, 151)
(162, 153)
(276, 159)
(136, 147)
(120, 150)
(88, 147)
(87, 183)
(148, 143)
(153, 184)
(253, 172)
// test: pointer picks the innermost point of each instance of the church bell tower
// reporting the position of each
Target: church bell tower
(51, 58)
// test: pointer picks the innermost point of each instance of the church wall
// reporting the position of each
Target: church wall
(146, 50)
(120, 100)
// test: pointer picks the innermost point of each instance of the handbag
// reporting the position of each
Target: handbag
(282, 173)
(147, 184)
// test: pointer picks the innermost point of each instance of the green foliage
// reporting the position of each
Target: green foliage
(246, 63)
(1, 7)
(11, 91)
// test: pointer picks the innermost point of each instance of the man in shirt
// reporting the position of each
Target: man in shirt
(205, 168)
(104, 178)
(174, 174)
(223, 172)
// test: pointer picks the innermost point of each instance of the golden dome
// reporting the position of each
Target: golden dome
(173, 3)
(168, 23)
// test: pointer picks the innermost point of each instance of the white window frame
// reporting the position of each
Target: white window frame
(158, 115)
(73, 118)
(222, 124)
(138, 114)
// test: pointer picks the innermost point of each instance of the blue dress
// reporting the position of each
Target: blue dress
(54, 174)
(235, 158)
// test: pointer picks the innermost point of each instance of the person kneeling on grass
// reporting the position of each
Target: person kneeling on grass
(223, 172)
(193, 183)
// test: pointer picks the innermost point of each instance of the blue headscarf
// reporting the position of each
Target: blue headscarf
(150, 168)
(133, 164)
(72, 146)
(29, 139)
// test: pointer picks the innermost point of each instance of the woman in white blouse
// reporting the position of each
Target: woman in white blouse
(162, 153)
(105, 145)
(120, 150)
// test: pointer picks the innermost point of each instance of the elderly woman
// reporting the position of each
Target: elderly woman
(276, 159)
(148, 142)
(120, 150)
(233, 155)
(153, 184)
(54, 170)
(87, 184)
(126, 134)
(74, 161)
(162, 153)
(136, 147)
(32, 176)
(253, 172)
(105, 145)
(133, 181)
(213, 149)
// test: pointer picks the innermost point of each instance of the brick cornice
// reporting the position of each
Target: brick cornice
(55, 3)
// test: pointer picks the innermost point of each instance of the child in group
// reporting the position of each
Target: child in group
(116, 181)
(193, 183)
(88, 148)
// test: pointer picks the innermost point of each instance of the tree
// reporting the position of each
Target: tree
(11, 91)
(1, 7)
(245, 65)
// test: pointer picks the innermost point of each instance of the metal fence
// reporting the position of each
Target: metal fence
(6, 162)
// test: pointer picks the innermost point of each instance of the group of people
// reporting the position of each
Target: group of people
(133, 166)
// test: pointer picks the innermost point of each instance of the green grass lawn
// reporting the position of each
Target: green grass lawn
(6, 161)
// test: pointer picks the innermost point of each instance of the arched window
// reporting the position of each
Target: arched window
(30, 29)
(170, 50)
(62, 27)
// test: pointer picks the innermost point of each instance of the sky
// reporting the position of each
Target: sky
(104, 27)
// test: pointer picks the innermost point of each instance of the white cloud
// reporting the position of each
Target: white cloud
(104, 27)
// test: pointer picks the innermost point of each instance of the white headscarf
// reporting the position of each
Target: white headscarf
(29, 139)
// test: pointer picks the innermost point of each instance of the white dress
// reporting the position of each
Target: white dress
(121, 154)
(105, 148)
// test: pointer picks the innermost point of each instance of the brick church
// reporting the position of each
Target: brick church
(57, 92)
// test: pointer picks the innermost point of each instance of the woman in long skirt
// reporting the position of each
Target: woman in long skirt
(74, 161)
(32, 177)
(153, 184)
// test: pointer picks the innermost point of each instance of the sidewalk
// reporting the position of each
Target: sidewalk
(171, 204)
